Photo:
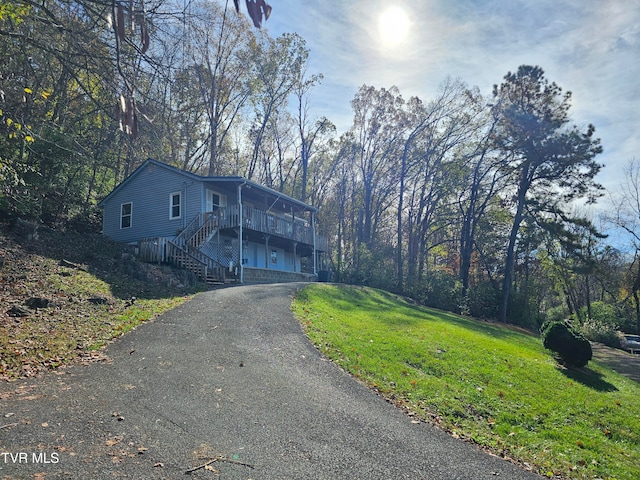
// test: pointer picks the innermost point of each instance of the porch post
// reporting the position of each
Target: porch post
(313, 229)
(266, 252)
(295, 252)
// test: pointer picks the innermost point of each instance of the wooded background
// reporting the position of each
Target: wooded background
(467, 201)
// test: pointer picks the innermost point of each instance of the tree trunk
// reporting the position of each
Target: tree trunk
(511, 249)
(637, 301)
(399, 256)
(636, 297)
(466, 250)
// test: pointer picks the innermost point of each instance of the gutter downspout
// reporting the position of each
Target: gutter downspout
(184, 206)
(315, 255)
(241, 215)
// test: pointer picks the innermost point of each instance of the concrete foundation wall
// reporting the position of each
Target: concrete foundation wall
(261, 275)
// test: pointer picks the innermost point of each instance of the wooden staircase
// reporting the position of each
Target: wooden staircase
(186, 251)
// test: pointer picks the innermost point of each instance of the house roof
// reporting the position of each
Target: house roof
(237, 180)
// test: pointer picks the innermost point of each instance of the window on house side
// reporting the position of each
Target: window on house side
(125, 215)
(175, 199)
(215, 200)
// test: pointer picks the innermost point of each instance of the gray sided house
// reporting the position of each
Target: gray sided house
(221, 228)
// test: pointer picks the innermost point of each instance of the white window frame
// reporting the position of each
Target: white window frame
(222, 200)
(171, 206)
(130, 215)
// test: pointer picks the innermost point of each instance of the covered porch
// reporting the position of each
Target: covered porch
(271, 241)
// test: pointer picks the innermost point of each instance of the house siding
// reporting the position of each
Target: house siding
(231, 194)
(257, 256)
(149, 192)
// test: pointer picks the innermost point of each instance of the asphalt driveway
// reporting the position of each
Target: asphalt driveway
(227, 376)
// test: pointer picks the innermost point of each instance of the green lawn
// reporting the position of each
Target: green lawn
(488, 384)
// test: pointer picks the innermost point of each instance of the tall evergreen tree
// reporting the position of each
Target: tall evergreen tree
(550, 163)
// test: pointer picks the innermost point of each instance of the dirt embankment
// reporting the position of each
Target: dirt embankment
(63, 294)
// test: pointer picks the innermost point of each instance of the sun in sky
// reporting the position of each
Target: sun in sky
(393, 26)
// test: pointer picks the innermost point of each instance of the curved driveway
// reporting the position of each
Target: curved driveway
(228, 375)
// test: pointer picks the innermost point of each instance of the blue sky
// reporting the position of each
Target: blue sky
(589, 47)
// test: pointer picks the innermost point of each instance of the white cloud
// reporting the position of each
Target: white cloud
(589, 47)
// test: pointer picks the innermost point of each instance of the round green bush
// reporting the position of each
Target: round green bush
(573, 348)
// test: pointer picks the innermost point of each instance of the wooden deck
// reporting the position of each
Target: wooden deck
(191, 249)
(296, 229)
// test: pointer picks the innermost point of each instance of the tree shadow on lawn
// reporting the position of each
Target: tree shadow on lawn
(398, 311)
(379, 303)
(589, 378)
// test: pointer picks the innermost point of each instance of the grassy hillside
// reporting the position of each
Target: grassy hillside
(485, 383)
(65, 294)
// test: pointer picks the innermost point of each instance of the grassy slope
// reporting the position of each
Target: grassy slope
(482, 382)
(73, 327)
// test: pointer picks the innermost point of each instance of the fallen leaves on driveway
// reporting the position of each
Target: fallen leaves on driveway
(63, 295)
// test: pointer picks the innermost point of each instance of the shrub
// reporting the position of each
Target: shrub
(557, 313)
(573, 348)
(483, 301)
(602, 313)
(597, 332)
(627, 316)
(603, 323)
(90, 223)
(375, 269)
(439, 290)
(524, 311)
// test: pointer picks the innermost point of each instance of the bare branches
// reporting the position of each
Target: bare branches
(218, 458)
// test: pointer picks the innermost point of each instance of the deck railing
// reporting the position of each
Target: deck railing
(270, 223)
(188, 231)
(191, 249)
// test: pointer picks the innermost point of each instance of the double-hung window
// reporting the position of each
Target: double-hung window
(175, 205)
(215, 200)
(126, 210)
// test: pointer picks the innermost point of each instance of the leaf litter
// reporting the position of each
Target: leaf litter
(63, 295)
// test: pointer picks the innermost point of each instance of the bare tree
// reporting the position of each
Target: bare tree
(483, 181)
(451, 121)
(220, 57)
(378, 129)
(435, 130)
(626, 216)
(276, 66)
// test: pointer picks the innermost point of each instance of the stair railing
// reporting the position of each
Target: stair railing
(185, 252)
(206, 231)
(188, 231)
